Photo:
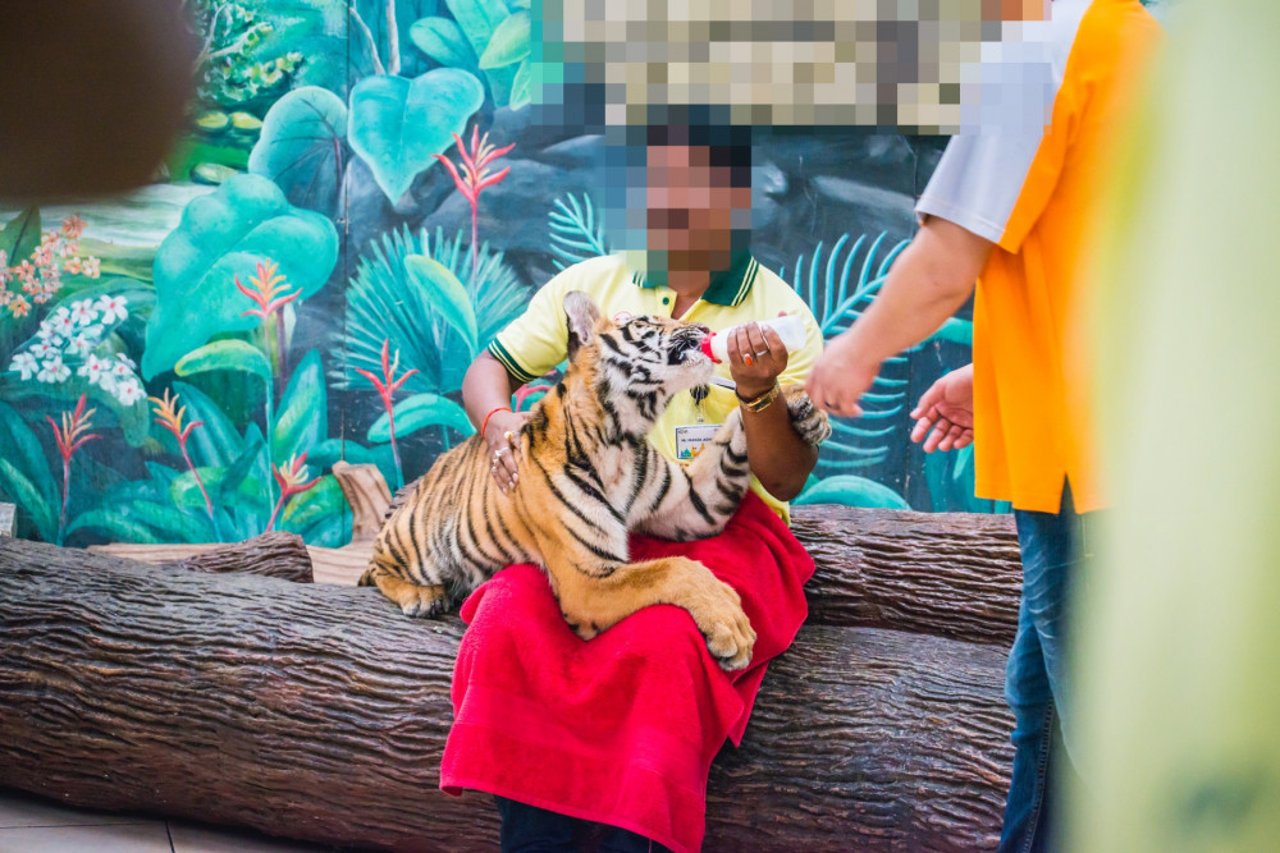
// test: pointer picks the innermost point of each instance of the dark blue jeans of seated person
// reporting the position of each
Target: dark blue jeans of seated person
(529, 829)
(1054, 548)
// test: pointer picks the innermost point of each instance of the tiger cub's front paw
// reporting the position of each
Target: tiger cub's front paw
(717, 610)
(810, 422)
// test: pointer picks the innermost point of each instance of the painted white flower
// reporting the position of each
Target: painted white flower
(63, 323)
(45, 331)
(107, 382)
(80, 345)
(113, 308)
(94, 369)
(129, 391)
(25, 364)
(125, 360)
(47, 349)
(121, 370)
(82, 312)
(53, 370)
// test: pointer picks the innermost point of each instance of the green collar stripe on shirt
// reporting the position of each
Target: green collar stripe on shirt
(729, 287)
(498, 351)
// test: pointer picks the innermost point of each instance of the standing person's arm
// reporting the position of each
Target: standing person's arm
(929, 281)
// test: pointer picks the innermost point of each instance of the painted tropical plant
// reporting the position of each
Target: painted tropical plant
(475, 177)
(488, 38)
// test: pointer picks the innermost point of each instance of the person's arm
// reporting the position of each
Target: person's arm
(930, 280)
(486, 393)
(776, 454)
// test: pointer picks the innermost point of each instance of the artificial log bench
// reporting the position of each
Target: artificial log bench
(318, 712)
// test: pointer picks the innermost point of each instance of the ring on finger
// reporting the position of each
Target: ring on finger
(762, 352)
(748, 360)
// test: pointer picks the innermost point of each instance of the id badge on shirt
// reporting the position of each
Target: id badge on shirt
(690, 440)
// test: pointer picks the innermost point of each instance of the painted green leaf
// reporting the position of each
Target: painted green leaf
(146, 522)
(301, 147)
(396, 125)
(134, 419)
(302, 420)
(447, 295)
(20, 445)
(21, 236)
(509, 43)
(442, 40)
(478, 19)
(333, 449)
(421, 410)
(331, 531)
(226, 486)
(25, 494)
(121, 525)
(522, 86)
(185, 489)
(852, 490)
(223, 235)
(225, 355)
(321, 500)
(956, 330)
(236, 483)
(216, 441)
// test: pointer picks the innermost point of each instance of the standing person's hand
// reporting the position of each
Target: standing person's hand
(502, 435)
(945, 412)
(840, 377)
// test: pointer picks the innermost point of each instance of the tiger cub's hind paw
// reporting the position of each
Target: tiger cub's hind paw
(810, 422)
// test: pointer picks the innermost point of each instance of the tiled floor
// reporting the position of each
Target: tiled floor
(30, 824)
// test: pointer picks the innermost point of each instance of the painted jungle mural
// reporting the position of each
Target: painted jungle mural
(361, 201)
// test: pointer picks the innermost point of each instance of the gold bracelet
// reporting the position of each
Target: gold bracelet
(759, 404)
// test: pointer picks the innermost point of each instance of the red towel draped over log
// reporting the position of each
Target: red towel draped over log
(620, 729)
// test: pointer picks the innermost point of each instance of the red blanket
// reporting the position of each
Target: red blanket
(620, 729)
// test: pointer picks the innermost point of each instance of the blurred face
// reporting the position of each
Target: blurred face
(691, 208)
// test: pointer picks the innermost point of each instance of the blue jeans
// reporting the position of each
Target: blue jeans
(528, 829)
(1053, 545)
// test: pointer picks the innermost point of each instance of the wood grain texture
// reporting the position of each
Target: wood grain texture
(366, 491)
(318, 712)
(951, 574)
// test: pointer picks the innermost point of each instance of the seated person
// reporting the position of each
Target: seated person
(621, 730)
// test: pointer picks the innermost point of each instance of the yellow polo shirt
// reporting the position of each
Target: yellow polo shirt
(537, 341)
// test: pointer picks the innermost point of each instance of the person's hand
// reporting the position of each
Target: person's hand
(502, 435)
(757, 358)
(840, 377)
(945, 412)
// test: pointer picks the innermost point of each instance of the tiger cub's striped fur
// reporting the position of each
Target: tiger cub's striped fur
(587, 477)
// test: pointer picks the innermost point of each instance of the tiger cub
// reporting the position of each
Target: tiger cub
(587, 477)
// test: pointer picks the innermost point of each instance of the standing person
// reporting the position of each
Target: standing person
(621, 730)
(1010, 207)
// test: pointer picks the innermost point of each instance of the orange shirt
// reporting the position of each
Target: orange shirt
(1033, 188)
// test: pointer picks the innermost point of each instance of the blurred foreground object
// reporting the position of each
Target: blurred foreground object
(1180, 640)
(94, 93)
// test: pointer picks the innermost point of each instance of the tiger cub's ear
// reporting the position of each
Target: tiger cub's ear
(582, 315)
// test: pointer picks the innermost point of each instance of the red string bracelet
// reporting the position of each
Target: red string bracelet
(484, 425)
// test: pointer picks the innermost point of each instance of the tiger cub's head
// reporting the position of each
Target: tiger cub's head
(640, 362)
